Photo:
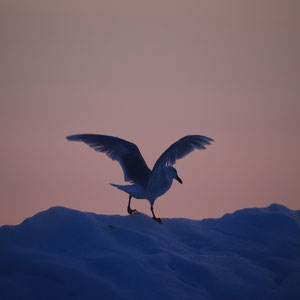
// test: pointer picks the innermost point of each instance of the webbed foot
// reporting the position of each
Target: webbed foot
(158, 220)
(131, 211)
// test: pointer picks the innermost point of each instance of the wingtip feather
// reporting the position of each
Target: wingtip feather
(76, 137)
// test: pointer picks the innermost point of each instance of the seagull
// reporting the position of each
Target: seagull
(146, 184)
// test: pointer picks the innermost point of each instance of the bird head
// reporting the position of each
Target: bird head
(174, 174)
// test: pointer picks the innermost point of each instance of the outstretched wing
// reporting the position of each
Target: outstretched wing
(126, 153)
(181, 148)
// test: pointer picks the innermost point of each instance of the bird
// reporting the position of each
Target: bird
(145, 183)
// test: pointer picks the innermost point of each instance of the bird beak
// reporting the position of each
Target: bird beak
(178, 179)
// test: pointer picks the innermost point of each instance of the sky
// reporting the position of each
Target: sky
(150, 72)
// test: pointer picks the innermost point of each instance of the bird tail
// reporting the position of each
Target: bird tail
(135, 190)
(124, 188)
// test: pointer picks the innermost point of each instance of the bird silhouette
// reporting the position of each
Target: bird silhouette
(146, 184)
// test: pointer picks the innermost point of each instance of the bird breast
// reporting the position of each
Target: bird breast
(159, 184)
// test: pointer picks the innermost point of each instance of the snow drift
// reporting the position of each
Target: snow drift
(66, 254)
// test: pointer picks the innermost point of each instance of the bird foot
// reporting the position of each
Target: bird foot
(131, 211)
(158, 220)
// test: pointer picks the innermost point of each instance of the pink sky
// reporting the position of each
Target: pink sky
(149, 72)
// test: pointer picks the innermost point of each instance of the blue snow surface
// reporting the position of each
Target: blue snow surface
(62, 253)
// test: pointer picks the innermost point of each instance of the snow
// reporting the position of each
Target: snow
(62, 253)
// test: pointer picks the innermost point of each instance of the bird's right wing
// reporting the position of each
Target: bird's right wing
(181, 148)
(126, 153)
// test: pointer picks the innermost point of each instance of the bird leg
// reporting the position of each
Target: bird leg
(129, 210)
(154, 218)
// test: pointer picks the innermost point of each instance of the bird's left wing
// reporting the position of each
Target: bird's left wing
(181, 148)
(126, 153)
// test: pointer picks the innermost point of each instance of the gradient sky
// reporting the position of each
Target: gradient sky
(149, 72)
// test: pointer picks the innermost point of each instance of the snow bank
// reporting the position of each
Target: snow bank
(66, 254)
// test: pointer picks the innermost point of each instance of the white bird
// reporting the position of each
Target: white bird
(146, 184)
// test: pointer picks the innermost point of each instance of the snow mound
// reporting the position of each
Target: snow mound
(62, 253)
